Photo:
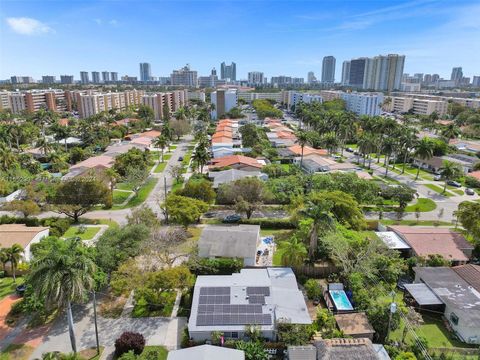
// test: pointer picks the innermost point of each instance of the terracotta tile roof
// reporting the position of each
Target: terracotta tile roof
(125, 121)
(222, 134)
(234, 159)
(475, 174)
(354, 324)
(222, 139)
(431, 241)
(18, 234)
(142, 140)
(63, 122)
(94, 161)
(151, 134)
(470, 273)
(286, 135)
(307, 150)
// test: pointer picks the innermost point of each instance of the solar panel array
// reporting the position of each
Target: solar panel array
(215, 309)
(256, 294)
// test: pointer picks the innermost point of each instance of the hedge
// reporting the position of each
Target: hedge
(270, 223)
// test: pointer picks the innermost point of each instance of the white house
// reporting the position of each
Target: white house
(22, 235)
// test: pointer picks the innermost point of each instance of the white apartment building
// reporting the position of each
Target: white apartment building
(196, 95)
(410, 87)
(255, 78)
(363, 103)
(250, 96)
(418, 106)
(34, 100)
(90, 102)
(5, 100)
(184, 76)
(291, 98)
(224, 100)
(329, 95)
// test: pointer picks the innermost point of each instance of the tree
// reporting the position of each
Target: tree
(162, 247)
(467, 214)
(146, 113)
(8, 159)
(133, 158)
(14, 254)
(129, 341)
(119, 244)
(63, 276)
(200, 157)
(423, 151)
(450, 171)
(252, 350)
(293, 252)
(184, 210)
(135, 177)
(161, 142)
(343, 207)
(26, 207)
(77, 196)
(176, 172)
(302, 140)
(143, 215)
(180, 128)
(406, 355)
(198, 189)
(250, 136)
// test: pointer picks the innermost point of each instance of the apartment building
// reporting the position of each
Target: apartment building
(184, 76)
(418, 106)
(329, 95)
(66, 79)
(363, 103)
(34, 100)
(328, 69)
(196, 95)
(224, 100)
(48, 79)
(250, 96)
(90, 102)
(292, 98)
(169, 101)
(5, 100)
(255, 78)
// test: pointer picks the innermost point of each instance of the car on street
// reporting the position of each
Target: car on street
(469, 191)
(180, 158)
(349, 149)
(454, 183)
(437, 177)
(231, 219)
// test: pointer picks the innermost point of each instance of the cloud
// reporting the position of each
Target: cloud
(113, 22)
(28, 26)
(98, 21)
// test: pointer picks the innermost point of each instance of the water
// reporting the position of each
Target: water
(341, 300)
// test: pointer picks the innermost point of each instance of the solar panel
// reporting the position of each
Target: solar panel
(258, 290)
(256, 299)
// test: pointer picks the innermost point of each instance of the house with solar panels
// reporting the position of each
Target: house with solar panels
(260, 297)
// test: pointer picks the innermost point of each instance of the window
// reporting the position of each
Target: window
(234, 335)
(454, 318)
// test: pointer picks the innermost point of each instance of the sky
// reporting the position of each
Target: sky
(54, 37)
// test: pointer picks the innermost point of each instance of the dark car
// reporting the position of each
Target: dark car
(20, 289)
(469, 191)
(209, 214)
(180, 158)
(454, 183)
(230, 219)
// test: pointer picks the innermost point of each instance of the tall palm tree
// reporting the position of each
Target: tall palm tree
(44, 145)
(7, 158)
(387, 148)
(320, 215)
(63, 276)
(451, 131)
(201, 157)
(294, 252)
(302, 140)
(3, 258)
(366, 145)
(407, 141)
(423, 151)
(161, 142)
(14, 254)
(180, 114)
(450, 171)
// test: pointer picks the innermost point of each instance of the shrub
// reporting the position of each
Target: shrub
(472, 182)
(270, 223)
(128, 356)
(129, 341)
(313, 288)
(222, 266)
(58, 226)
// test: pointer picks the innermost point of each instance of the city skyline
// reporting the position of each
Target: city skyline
(346, 31)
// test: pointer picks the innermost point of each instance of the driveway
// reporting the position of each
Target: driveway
(156, 330)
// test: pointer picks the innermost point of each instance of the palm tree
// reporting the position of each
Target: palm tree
(294, 252)
(450, 171)
(407, 141)
(44, 145)
(451, 132)
(7, 158)
(366, 144)
(329, 141)
(320, 214)
(14, 254)
(161, 142)
(423, 151)
(180, 114)
(201, 157)
(3, 258)
(62, 276)
(387, 148)
(302, 140)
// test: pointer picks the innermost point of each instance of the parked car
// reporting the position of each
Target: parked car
(437, 177)
(231, 219)
(454, 183)
(349, 149)
(209, 214)
(180, 158)
(469, 191)
(20, 289)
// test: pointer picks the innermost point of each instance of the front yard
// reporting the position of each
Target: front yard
(7, 286)
(89, 233)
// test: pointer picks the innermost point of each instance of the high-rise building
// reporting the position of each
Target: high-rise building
(345, 72)
(435, 78)
(105, 76)
(311, 79)
(34, 100)
(84, 77)
(427, 79)
(113, 76)
(66, 79)
(21, 80)
(476, 81)
(228, 72)
(363, 103)
(48, 79)
(457, 74)
(145, 72)
(95, 77)
(357, 72)
(328, 69)
(255, 77)
(208, 81)
(224, 100)
(184, 76)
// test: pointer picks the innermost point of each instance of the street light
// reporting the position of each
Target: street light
(393, 310)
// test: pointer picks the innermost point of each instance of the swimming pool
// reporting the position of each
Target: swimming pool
(340, 300)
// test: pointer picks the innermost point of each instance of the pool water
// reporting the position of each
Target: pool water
(341, 300)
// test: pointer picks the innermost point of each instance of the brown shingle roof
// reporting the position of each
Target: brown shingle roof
(470, 273)
(431, 241)
(18, 234)
(307, 150)
(235, 159)
(345, 349)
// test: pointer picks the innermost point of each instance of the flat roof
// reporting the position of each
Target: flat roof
(392, 240)
(354, 324)
(206, 352)
(422, 294)
(234, 241)
(230, 302)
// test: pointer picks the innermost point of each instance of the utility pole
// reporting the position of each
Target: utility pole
(393, 310)
(95, 320)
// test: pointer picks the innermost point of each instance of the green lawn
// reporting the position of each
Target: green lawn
(141, 196)
(7, 286)
(120, 196)
(90, 232)
(423, 205)
(123, 186)
(173, 147)
(176, 186)
(434, 331)
(279, 235)
(16, 352)
(160, 167)
(438, 189)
